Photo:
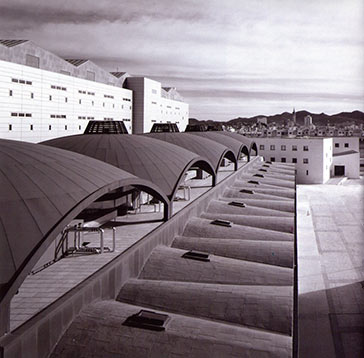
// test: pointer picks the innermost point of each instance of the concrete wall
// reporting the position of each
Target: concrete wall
(50, 62)
(37, 337)
(43, 112)
(318, 155)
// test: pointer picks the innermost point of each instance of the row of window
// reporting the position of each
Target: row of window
(108, 96)
(337, 145)
(66, 100)
(283, 147)
(59, 88)
(294, 160)
(31, 127)
(84, 92)
(84, 117)
(20, 114)
(58, 116)
(24, 82)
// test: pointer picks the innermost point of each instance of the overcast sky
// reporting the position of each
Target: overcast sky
(227, 58)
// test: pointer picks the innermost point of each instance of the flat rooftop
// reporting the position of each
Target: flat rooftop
(330, 220)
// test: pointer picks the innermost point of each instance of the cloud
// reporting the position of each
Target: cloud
(265, 47)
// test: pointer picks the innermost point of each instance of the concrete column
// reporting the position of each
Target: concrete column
(4, 318)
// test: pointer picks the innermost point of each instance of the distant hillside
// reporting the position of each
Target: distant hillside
(322, 119)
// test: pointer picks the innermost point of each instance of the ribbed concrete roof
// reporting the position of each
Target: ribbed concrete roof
(204, 147)
(236, 146)
(232, 297)
(162, 163)
(41, 190)
(101, 326)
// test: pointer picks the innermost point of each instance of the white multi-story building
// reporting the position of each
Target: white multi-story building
(43, 96)
(155, 104)
(317, 159)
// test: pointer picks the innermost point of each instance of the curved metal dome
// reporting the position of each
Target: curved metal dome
(234, 145)
(247, 141)
(212, 150)
(41, 190)
(162, 163)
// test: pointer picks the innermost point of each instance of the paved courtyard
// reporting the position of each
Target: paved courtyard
(331, 269)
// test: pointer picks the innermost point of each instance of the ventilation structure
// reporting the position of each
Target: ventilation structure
(237, 203)
(221, 223)
(147, 320)
(195, 255)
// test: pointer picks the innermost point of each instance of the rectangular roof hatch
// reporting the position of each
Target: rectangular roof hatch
(262, 170)
(253, 182)
(196, 255)
(237, 203)
(147, 320)
(221, 223)
(246, 191)
(258, 175)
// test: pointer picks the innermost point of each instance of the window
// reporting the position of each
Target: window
(32, 61)
(305, 160)
(306, 172)
(10, 127)
(272, 147)
(50, 97)
(294, 148)
(50, 127)
(337, 145)
(103, 104)
(10, 92)
(13, 114)
(92, 102)
(79, 127)
(65, 127)
(294, 160)
(66, 99)
(283, 147)
(261, 147)
(14, 80)
(272, 159)
(346, 145)
(283, 160)
(32, 95)
(305, 148)
(31, 127)
(79, 101)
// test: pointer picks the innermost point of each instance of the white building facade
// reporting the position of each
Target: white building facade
(154, 104)
(43, 96)
(317, 159)
(312, 156)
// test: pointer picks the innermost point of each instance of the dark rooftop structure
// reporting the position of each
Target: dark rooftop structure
(164, 128)
(106, 127)
(12, 43)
